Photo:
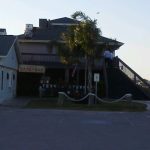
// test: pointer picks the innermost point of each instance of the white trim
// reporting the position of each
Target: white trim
(11, 47)
(3, 56)
(8, 67)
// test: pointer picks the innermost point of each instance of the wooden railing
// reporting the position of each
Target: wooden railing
(30, 58)
(137, 79)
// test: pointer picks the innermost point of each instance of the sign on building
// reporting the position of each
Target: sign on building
(96, 77)
(31, 69)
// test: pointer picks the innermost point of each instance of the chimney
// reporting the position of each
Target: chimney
(49, 23)
(43, 23)
(28, 31)
(3, 32)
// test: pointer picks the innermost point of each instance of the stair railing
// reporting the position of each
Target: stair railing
(137, 79)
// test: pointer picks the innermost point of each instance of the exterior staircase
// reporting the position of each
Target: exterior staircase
(122, 79)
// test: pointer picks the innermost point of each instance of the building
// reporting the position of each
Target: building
(42, 65)
(38, 49)
(9, 60)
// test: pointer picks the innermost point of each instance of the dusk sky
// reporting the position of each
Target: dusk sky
(125, 20)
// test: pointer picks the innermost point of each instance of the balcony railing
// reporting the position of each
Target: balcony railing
(42, 58)
(30, 58)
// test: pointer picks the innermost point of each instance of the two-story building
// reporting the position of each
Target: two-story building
(40, 56)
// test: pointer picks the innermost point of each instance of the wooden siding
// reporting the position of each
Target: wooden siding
(40, 54)
(8, 75)
(34, 48)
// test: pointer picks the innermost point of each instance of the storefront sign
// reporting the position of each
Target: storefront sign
(32, 69)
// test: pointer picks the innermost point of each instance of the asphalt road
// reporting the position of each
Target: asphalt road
(37, 129)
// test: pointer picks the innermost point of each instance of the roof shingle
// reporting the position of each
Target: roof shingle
(54, 32)
(64, 20)
(6, 42)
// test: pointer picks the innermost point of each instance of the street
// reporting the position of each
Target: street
(43, 129)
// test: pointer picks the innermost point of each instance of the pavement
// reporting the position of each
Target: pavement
(19, 102)
(44, 129)
(16, 102)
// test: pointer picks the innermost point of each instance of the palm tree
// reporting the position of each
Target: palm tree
(86, 36)
(81, 42)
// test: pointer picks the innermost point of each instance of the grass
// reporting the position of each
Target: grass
(119, 106)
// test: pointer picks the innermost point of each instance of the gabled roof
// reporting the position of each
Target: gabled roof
(64, 20)
(6, 42)
(54, 33)
(112, 43)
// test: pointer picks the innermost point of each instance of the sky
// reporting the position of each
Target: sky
(125, 20)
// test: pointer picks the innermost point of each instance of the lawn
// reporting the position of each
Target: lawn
(118, 106)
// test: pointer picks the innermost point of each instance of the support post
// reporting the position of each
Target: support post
(67, 75)
(60, 98)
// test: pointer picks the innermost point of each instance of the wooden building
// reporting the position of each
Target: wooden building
(41, 59)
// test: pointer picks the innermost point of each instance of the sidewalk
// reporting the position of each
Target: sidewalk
(21, 101)
(16, 102)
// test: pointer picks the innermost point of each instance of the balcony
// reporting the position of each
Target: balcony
(51, 60)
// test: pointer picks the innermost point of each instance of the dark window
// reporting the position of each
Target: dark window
(7, 76)
(13, 76)
(2, 81)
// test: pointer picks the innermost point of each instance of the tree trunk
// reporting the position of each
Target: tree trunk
(91, 98)
(105, 79)
(89, 77)
(85, 76)
(78, 71)
(67, 75)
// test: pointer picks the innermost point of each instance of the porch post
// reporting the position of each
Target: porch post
(78, 76)
(105, 79)
(67, 75)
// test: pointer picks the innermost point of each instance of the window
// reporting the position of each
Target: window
(13, 76)
(2, 80)
(7, 76)
(10, 79)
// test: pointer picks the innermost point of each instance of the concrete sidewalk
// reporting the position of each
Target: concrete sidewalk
(20, 102)
(16, 102)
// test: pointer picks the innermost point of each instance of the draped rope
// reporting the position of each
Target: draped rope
(75, 100)
(126, 96)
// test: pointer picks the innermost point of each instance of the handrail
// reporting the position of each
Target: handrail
(137, 79)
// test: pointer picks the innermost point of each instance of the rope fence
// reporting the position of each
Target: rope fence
(63, 95)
